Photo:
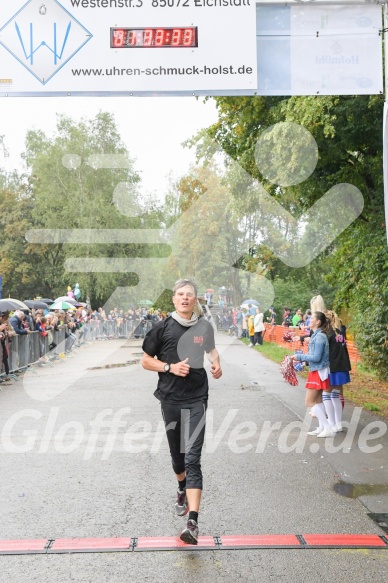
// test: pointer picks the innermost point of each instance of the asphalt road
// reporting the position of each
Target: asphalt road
(83, 454)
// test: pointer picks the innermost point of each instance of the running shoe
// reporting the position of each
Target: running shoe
(181, 505)
(190, 534)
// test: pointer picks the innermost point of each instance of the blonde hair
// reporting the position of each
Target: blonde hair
(317, 304)
(335, 320)
(198, 309)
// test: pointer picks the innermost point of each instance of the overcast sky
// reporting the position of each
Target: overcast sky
(153, 128)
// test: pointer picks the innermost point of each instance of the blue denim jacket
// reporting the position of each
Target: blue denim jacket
(318, 354)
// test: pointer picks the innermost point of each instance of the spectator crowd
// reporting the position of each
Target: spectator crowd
(77, 325)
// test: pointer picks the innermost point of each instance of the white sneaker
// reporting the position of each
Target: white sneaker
(326, 433)
(338, 428)
(315, 432)
(250, 345)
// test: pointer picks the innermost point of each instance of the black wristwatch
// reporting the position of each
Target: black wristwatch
(166, 367)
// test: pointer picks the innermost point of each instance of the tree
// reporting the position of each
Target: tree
(362, 287)
(83, 178)
(18, 264)
(210, 240)
(347, 130)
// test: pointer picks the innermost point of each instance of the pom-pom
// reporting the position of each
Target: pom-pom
(299, 366)
(288, 372)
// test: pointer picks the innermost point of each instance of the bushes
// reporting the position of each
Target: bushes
(360, 270)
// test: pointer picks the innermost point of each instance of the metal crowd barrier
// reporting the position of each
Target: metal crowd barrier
(25, 350)
(108, 329)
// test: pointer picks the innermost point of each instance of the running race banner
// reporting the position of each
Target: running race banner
(319, 50)
(185, 47)
(127, 45)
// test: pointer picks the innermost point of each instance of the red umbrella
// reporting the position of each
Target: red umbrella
(210, 290)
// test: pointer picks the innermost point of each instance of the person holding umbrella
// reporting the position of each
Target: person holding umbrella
(251, 310)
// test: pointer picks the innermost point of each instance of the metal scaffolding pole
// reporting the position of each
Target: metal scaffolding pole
(385, 123)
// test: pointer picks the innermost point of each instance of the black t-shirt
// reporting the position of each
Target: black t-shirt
(338, 352)
(171, 342)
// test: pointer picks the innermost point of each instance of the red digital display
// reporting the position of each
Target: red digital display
(142, 38)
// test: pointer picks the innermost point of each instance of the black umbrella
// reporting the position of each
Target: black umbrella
(46, 301)
(36, 304)
(8, 305)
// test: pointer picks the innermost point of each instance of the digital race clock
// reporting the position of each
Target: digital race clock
(142, 38)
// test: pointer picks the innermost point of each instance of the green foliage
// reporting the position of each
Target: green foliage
(164, 302)
(273, 351)
(17, 261)
(353, 272)
(207, 234)
(371, 407)
(65, 188)
(360, 274)
(70, 192)
(294, 293)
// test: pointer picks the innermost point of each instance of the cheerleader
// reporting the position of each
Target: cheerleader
(339, 369)
(318, 378)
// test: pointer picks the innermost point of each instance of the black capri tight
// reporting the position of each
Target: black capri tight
(185, 429)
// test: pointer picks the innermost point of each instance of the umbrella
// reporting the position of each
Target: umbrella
(9, 304)
(210, 290)
(36, 304)
(47, 301)
(146, 303)
(16, 304)
(253, 302)
(61, 306)
(66, 299)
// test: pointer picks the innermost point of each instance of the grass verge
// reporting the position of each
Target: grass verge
(273, 351)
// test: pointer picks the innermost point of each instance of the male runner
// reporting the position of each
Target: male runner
(175, 349)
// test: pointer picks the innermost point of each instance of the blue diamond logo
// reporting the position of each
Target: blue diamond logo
(43, 36)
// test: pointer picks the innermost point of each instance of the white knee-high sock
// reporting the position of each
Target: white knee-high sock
(335, 399)
(320, 414)
(310, 410)
(329, 408)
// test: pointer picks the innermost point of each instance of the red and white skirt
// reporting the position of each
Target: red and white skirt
(314, 382)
